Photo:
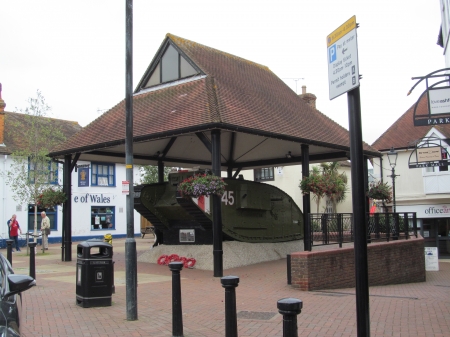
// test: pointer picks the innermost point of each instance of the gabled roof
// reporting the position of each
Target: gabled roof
(403, 134)
(240, 97)
(19, 122)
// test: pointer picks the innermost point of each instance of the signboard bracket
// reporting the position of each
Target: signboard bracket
(429, 152)
(438, 96)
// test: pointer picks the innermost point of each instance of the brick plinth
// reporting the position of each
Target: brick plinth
(391, 262)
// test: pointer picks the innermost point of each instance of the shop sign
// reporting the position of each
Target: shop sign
(83, 176)
(429, 154)
(94, 198)
(427, 211)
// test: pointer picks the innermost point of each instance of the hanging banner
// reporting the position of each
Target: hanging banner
(83, 177)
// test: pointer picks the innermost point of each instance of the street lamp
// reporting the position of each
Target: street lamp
(392, 157)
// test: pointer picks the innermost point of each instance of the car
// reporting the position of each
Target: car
(11, 288)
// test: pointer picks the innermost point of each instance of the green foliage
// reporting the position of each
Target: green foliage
(202, 184)
(380, 191)
(51, 196)
(325, 181)
(35, 136)
(149, 174)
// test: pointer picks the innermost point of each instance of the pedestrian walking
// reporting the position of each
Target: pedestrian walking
(14, 229)
(45, 229)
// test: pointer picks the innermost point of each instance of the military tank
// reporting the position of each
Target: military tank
(251, 212)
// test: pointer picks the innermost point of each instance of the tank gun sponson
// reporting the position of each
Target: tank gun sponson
(251, 212)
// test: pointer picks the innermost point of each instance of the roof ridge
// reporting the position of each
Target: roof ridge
(180, 40)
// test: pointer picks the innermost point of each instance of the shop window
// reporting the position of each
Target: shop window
(51, 213)
(263, 174)
(102, 218)
(103, 174)
(44, 172)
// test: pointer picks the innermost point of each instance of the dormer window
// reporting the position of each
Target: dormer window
(172, 66)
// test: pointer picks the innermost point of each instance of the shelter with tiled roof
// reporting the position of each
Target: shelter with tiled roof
(196, 106)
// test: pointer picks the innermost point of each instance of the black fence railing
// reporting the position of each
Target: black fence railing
(338, 228)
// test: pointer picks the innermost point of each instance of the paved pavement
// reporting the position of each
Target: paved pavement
(49, 309)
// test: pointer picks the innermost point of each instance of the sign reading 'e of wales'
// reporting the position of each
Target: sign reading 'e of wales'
(343, 70)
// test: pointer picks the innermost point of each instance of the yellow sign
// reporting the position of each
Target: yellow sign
(341, 31)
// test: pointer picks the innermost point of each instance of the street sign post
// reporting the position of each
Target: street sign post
(343, 69)
(343, 76)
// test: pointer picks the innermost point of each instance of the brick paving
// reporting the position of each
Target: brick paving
(49, 309)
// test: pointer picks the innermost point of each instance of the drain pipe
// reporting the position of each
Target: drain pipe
(4, 230)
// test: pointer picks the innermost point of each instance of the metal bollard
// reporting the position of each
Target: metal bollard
(177, 313)
(230, 283)
(9, 243)
(289, 308)
(32, 246)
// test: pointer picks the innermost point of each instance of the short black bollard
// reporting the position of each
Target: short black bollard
(230, 283)
(32, 246)
(177, 312)
(289, 308)
(9, 243)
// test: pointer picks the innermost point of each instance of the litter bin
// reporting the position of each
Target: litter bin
(94, 274)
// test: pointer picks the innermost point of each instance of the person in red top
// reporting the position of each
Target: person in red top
(14, 230)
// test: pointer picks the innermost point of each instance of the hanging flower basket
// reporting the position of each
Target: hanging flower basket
(202, 184)
(51, 197)
(380, 191)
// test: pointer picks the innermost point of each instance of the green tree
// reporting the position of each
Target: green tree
(314, 184)
(325, 181)
(149, 174)
(35, 136)
(336, 183)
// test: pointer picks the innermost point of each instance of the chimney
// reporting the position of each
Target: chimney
(2, 118)
(309, 99)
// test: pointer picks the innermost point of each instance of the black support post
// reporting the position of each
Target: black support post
(217, 207)
(66, 251)
(130, 242)
(177, 311)
(230, 283)
(9, 243)
(359, 210)
(160, 171)
(290, 308)
(32, 246)
(306, 201)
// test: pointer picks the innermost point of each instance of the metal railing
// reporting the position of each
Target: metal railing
(338, 228)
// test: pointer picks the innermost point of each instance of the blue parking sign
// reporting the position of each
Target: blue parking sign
(332, 53)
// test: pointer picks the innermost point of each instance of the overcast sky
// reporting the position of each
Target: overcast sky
(74, 51)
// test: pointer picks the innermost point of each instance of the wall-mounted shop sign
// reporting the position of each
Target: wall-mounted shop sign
(83, 176)
(93, 198)
(427, 211)
(438, 94)
(429, 152)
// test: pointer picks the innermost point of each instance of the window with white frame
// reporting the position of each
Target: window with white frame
(329, 206)
(263, 174)
(103, 174)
